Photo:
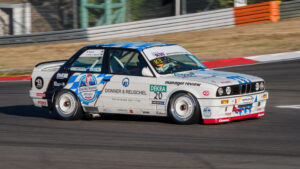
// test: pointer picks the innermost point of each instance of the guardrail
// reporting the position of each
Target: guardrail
(204, 20)
(290, 9)
(257, 13)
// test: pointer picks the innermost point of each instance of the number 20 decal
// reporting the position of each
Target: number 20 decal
(158, 95)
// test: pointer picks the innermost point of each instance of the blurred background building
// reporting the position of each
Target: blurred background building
(33, 16)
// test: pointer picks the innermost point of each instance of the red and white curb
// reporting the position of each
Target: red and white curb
(14, 78)
(215, 63)
(253, 59)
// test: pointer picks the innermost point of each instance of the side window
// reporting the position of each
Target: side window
(89, 61)
(126, 62)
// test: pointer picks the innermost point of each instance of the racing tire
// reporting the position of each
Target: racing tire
(67, 106)
(184, 109)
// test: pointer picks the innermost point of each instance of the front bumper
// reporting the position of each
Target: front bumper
(227, 109)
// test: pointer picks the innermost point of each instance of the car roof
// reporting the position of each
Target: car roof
(131, 45)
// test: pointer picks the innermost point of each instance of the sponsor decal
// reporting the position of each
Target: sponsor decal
(207, 112)
(81, 69)
(158, 54)
(125, 82)
(87, 88)
(259, 109)
(131, 111)
(191, 74)
(225, 82)
(93, 53)
(228, 114)
(146, 112)
(158, 88)
(182, 83)
(260, 114)
(122, 91)
(224, 120)
(192, 84)
(40, 94)
(122, 110)
(126, 99)
(113, 91)
(42, 102)
(62, 75)
(158, 102)
(160, 113)
(238, 100)
(248, 99)
(205, 93)
(243, 109)
(174, 83)
(158, 92)
(39, 83)
(55, 83)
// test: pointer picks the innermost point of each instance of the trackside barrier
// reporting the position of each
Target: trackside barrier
(257, 13)
(203, 20)
(290, 9)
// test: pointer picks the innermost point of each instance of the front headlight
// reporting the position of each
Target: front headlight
(256, 86)
(261, 86)
(228, 90)
(220, 91)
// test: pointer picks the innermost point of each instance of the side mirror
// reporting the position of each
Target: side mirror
(146, 72)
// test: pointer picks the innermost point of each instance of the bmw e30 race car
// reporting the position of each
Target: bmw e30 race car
(145, 78)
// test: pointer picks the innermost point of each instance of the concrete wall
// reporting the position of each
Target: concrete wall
(4, 23)
(46, 15)
(15, 19)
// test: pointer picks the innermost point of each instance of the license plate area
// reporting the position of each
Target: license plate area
(245, 106)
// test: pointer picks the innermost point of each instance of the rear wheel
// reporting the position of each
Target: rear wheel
(184, 109)
(67, 106)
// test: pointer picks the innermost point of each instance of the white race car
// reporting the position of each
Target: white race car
(145, 78)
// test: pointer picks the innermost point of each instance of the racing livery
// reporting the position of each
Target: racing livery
(145, 78)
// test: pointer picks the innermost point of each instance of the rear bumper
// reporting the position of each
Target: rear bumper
(229, 119)
(39, 98)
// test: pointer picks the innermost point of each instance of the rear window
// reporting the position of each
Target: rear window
(89, 61)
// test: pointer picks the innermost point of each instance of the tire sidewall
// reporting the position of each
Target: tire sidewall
(74, 115)
(193, 118)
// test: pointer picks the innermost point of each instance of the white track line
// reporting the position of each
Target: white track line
(276, 57)
(290, 106)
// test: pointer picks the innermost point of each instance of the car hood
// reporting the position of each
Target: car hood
(219, 78)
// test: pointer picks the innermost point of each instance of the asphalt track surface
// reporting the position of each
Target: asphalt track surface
(32, 138)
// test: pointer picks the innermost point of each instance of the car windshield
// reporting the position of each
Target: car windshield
(176, 63)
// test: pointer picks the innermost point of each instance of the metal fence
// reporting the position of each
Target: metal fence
(290, 9)
(204, 20)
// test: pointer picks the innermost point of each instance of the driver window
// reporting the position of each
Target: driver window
(89, 61)
(126, 62)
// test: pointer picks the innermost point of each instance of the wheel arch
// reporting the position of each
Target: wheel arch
(194, 93)
(55, 92)
(191, 92)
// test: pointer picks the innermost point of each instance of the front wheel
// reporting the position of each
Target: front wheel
(184, 109)
(67, 106)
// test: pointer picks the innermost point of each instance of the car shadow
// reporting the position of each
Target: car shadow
(26, 111)
(32, 111)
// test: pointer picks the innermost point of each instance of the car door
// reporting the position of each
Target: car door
(128, 91)
(87, 79)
